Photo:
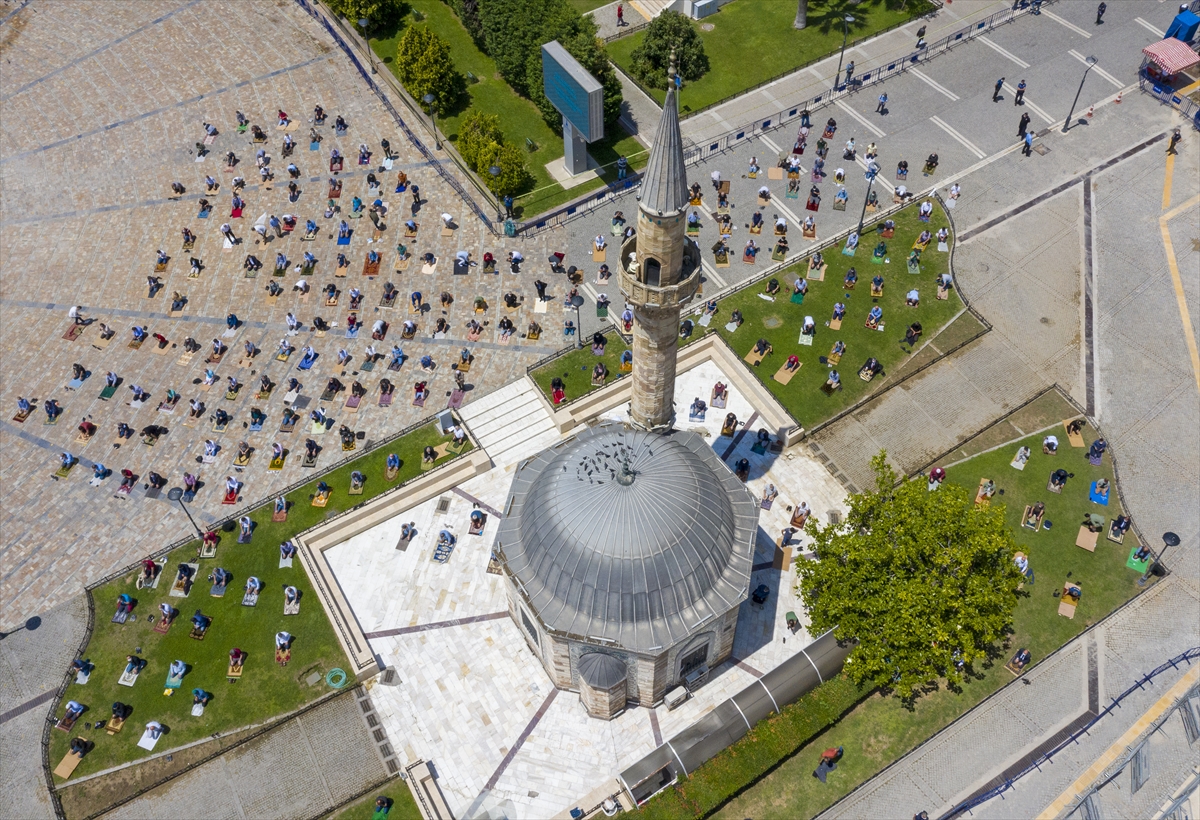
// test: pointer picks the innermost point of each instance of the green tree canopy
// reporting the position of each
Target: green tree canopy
(379, 12)
(513, 34)
(424, 66)
(921, 581)
(481, 145)
(652, 58)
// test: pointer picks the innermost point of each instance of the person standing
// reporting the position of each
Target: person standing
(997, 89)
(1100, 9)
(883, 98)
(1019, 99)
(622, 167)
(849, 71)
(620, 15)
(1022, 125)
(1028, 149)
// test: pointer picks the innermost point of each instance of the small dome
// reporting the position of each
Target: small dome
(601, 671)
(628, 536)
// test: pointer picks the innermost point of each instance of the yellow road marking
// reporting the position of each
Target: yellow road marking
(1178, 282)
(1114, 751)
(1167, 182)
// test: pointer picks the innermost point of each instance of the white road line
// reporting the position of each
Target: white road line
(1028, 104)
(1003, 52)
(712, 274)
(1098, 70)
(863, 120)
(1157, 32)
(966, 143)
(770, 144)
(935, 86)
(1071, 26)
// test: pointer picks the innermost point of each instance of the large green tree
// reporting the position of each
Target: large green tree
(424, 66)
(923, 582)
(378, 12)
(666, 32)
(513, 34)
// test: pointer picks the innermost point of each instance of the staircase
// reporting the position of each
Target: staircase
(652, 8)
(511, 423)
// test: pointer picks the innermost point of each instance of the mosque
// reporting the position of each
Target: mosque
(627, 549)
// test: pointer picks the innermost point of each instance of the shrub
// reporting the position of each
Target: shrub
(650, 60)
(424, 66)
(482, 145)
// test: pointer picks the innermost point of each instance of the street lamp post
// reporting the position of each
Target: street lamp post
(577, 302)
(494, 170)
(428, 99)
(846, 21)
(1091, 61)
(363, 23)
(176, 494)
(862, 216)
(1170, 539)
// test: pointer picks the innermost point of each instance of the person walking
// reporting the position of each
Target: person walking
(997, 89)
(1100, 9)
(879, 109)
(1028, 149)
(1022, 125)
(920, 36)
(1175, 138)
(620, 15)
(1020, 98)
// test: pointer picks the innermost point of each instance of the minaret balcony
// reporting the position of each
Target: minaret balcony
(643, 287)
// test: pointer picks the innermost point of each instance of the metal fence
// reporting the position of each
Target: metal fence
(333, 28)
(1168, 96)
(966, 806)
(722, 143)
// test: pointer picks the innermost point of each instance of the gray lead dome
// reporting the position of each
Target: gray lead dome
(627, 536)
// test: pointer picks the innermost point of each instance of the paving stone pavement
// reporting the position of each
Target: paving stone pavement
(32, 664)
(92, 136)
(301, 769)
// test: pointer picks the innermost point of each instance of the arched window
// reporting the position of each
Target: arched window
(652, 272)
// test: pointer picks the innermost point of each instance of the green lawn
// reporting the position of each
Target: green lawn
(584, 6)
(266, 688)
(880, 729)
(779, 322)
(575, 369)
(519, 118)
(753, 41)
(404, 807)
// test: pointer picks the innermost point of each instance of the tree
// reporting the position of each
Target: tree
(670, 30)
(481, 145)
(511, 33)
(476, 134)
(923, 582)
(801, 15)
(514, 177)
(582, 44)
(468, 14)
(424, 66)
(379, 12)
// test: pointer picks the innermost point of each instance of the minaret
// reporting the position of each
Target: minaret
(659, 271)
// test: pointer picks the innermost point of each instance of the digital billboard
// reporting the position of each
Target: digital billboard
(576, 94)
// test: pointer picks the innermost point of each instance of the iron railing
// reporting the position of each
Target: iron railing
(1168, 96)
(966, 806)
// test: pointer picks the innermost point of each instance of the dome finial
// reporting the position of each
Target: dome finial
(671, 70)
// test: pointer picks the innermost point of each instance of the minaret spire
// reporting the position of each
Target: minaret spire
(660, 270)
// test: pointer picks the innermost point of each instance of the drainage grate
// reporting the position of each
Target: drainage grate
(1041, 149)
(443, 505)
(392, 766)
